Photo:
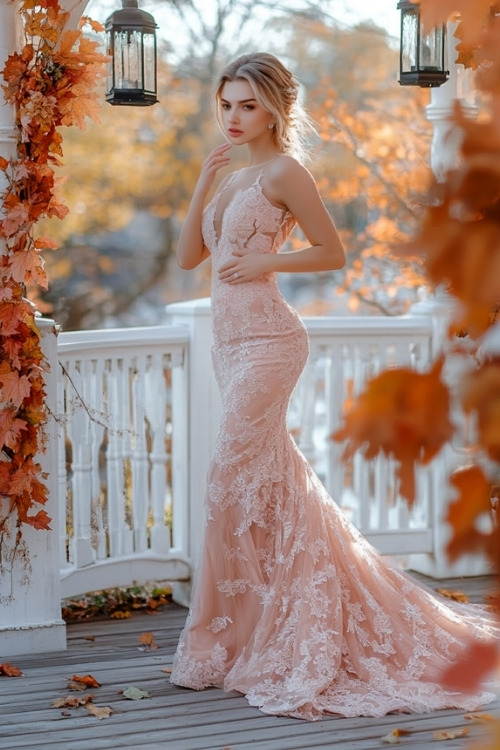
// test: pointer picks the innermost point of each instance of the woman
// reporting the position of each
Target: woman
(291, 606)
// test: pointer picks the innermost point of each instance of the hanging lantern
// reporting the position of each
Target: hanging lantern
(421, 55)
(131, 44)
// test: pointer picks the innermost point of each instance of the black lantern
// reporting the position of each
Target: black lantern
(421, 55)
(131, 43)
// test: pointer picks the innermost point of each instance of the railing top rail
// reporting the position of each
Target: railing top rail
(111, 338)
(370, 326)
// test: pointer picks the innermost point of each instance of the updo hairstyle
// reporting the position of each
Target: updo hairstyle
(277, 90)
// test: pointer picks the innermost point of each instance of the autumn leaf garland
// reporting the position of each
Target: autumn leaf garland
(50, 82)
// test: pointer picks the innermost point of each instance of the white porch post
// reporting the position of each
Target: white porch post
(447, 136)
(204, 410)
(30, 600)
(30, 603)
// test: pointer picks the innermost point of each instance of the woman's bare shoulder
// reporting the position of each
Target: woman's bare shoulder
(287, 167)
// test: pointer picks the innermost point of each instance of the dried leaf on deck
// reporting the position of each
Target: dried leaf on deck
(103, 712)
(451, 734)
(481, 718)
(456, 596)
(147, 639)
(120, 615)
(135, 693)
(393, 738)
(72, 702)
(86, 680)
(8, 670)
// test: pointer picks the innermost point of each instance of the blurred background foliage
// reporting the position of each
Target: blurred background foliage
(127, 181)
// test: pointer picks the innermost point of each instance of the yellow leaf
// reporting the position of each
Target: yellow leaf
(451, 734)
(100, 713)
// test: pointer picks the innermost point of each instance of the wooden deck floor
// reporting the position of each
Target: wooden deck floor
(174, 718)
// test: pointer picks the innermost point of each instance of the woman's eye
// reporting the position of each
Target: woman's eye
(249, 106)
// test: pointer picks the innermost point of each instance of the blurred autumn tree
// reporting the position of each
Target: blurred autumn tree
(131, 176)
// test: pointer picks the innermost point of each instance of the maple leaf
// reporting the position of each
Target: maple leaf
(14, 387)
(472, 667)
(481, 395)
(11, 428)
(402, 413)
(40, 521)
(72, 701)
(451, 734)
(147, 639)
(474, 501)
(473, 15)
(88, 680)
(100, 713)
(28, 266)
(8, 670)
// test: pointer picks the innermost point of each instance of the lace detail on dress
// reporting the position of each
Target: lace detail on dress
(291, 606)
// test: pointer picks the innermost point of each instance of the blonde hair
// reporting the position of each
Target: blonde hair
(277, 90)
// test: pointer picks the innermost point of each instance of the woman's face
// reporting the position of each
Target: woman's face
(243, 118)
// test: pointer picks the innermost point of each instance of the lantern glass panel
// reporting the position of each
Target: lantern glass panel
(128, 59)
(149, 62)
(409, 41)
(431, 46)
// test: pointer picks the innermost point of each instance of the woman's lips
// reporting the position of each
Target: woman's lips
(233, 131)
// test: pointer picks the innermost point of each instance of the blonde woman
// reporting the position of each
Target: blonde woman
(290, 605)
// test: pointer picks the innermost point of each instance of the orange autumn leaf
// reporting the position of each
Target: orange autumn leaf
(404, 414)
(72, 701)
(8, 670)
(455, 596)
(472, 667)
(481, 396)
(451, 734)
(87, 680)
(13, 386)
(11, 428)
(474, 500)
(147, 639)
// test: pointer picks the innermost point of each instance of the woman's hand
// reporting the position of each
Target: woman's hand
(216, 159)
(245, 267)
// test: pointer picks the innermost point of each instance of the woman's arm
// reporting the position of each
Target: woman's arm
(191, 250)
(291, 185)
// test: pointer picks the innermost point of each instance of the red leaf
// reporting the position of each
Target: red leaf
(467, 673)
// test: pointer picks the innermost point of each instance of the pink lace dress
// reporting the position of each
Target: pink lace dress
(291, 606)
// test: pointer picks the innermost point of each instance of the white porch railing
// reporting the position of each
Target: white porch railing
(138, 416)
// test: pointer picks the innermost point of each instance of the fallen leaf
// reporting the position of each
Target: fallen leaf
(100, 713)
(148, 641)
(120, 615)
(89, 637)
(168, 670)
(479, 717)
(72, 702)
(135, 694)
(393, 737)
(86, 680)
(451, 734)
(456, 596)
(8, 670)
(72, 685)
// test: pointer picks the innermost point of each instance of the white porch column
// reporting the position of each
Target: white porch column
(447, 136)
(204, 410)
(30, 600)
